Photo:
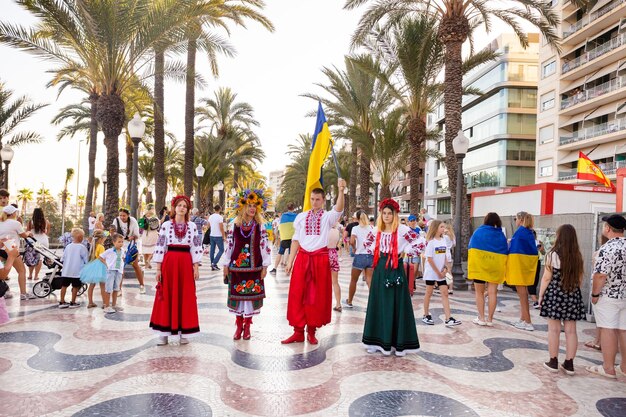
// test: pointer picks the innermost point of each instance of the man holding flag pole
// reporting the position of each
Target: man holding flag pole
(310, 289)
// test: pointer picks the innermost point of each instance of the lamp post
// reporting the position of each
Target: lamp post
(150, 189)
(104, 191)
(233, 194)
(376, 185)
(136, 130)
(6, 153)
(199, 173)
(220, 191)
(460, 145)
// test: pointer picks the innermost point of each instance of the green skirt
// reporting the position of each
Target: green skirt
(389, 321)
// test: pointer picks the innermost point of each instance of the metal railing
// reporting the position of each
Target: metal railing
(609, 168)
(596, 52)
(586, 20)
(594, 131)
(593, 92)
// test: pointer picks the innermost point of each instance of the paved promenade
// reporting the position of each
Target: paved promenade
(82, 363)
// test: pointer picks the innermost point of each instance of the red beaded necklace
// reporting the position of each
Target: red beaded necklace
(180, 229)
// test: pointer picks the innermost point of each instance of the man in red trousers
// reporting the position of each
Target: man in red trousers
(310, 289)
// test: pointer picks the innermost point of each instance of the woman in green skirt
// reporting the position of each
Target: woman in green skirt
(389, 321)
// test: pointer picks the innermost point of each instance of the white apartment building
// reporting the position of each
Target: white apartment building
(275, 182)
(582, 92)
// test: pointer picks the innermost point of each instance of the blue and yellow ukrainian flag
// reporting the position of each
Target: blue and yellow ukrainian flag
(487, 255)
(521, 266)
(320, 149)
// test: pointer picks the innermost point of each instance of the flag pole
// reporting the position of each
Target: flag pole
(332, 148)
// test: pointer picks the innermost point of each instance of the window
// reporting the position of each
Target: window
(547, 100)
(545, 167)
(546, 134)
(548, 68)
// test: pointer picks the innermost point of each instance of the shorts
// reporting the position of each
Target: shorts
(413, 260)
(440, 283)
(284, 245)
(74, 282)
(333, 256)
(114, 279)
(479, 281)
(610, 313)
(363, 261)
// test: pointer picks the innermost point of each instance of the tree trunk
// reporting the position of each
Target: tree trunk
(93, 147)
(417, 139)
(364, 182)
(111, 118)
(94, 203)
(129, 172)
(385, 192)
(453, 32)
(160, 182)
(190, 103)
(354, 172)
(236, 175)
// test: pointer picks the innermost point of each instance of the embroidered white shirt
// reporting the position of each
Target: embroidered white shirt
(409, 242)
(311, 229)
(168, 237)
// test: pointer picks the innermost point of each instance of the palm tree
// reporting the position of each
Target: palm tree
(43, 196)
(456, 19)
(94, 202)
(65, 195)
(357, 95)
(24, 195)
(80, 203)
(12, 114)
(220, 11)
(102, 45)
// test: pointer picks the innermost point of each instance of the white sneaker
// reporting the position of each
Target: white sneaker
(522, 325)
(184, 341)
(162, 341)
(8, 295)
(109, 310)
(118, 308)
(479, 322)
(403, 353)
(142, 289)
(517, 323)
(529, 327)
(27, 296)
(371, 350)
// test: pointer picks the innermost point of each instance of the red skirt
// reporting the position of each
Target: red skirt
(175, 307)
(310, 290)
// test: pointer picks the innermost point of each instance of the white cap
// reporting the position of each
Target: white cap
(9, 210)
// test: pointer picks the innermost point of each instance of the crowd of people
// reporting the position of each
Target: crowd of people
(390, 253)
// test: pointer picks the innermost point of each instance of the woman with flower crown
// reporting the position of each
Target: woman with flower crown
(177, 257)
(389, 320)
(245, 261)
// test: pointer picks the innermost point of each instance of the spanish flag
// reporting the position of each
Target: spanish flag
(487, 254)
(521, 266)
(588, 170)
(320, 149)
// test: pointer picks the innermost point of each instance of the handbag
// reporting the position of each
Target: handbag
(4, 287)
(449, 278)
(31, 256)
(131, 253)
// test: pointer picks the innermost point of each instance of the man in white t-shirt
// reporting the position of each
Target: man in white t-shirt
(128, 227)
(216, 236)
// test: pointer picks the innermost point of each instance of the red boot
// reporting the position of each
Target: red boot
(296, 337)
(239, 329)
(310, 331)
(246, 328)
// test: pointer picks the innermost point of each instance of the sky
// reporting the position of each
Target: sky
(270, 71)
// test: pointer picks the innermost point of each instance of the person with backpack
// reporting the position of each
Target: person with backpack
(150, 226)
(127, 226)
(40, 227)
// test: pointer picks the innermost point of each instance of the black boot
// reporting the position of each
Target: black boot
(568, 366)
(552, 365)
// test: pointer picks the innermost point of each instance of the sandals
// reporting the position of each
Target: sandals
(591, 344)
(92, 305)
(338, 309)
(599, 370)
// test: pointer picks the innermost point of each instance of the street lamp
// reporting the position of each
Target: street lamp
(199, 173)
(136, 130)
(6, 153)
(328, 202)
(104, 190)
(460, 144)
(376, 185)
(150, 189)
(220, 190)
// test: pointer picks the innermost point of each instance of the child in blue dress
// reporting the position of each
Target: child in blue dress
(95, 272)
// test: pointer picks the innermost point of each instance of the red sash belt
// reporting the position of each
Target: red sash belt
(309, 282)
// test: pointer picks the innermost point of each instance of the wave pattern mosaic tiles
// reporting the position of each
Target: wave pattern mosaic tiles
(82, 363)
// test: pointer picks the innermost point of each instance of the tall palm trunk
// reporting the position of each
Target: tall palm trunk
(111, 117)
(354, 172)
(236, 174)
(93, 147)
(129, 171)
(417, 139)
(364, 182)
(453, 31)
(160, 182)
(385, 192)
(190, 103)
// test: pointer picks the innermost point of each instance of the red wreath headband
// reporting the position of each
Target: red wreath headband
(391, 203)
(176, 199)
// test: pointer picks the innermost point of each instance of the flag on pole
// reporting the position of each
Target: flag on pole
(588, 170)
(320, 150)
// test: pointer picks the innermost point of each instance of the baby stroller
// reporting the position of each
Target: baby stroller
(52, 280)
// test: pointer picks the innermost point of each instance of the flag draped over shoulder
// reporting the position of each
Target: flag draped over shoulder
(320, 150)
(588, 170)
(487, 255)
(521, 265)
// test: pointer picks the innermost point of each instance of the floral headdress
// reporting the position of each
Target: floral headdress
(176, 199)
(248, 196)
(391, 203)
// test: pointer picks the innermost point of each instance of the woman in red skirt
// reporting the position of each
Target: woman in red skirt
(177, 257)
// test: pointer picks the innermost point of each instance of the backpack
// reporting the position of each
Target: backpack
(131, 253)
(31, 257)
(142, 223)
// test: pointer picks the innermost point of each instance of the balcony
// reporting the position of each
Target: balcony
(594, 131)
(609, 168)
(587, 20)
(596, 52)
(593, 92)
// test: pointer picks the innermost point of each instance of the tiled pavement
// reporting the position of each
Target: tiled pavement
(81, 363)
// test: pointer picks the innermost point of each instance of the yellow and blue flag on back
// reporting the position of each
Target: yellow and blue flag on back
(320, 150)
(487, 255)
(521, 266)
